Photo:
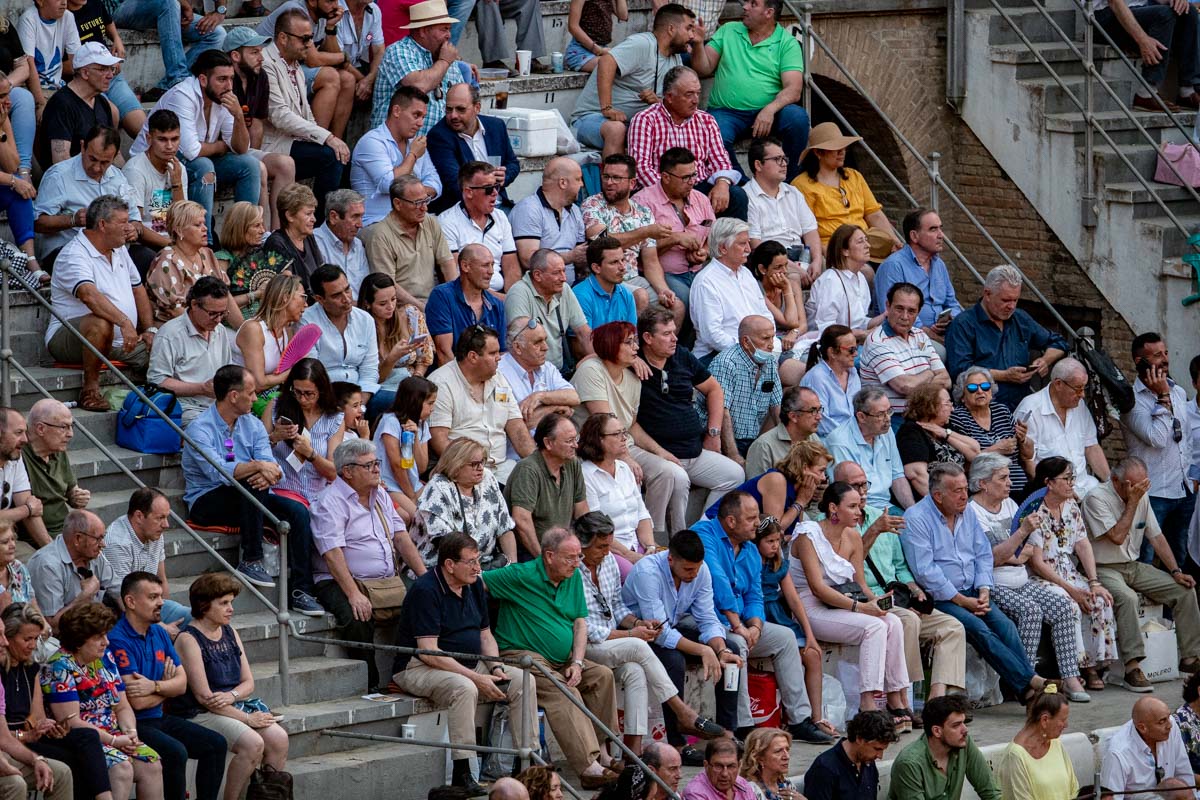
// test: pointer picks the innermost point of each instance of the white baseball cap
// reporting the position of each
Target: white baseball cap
(94, 53)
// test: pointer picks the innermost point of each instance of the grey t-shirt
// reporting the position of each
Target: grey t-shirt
(639, 66)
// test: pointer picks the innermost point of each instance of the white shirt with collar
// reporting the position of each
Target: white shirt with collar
(460, 230)
(1128, 764)
(186, 99)
(66, 188)
(720, 299)
(1149, 432)
(546, 378)
(80, 262)
(784, 218)
(1051, 437)
(183, 353)
(352, 355)
(333, 251)
(372, 170)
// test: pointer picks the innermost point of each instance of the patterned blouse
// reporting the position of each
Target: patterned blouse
(252, 272)
(1189, 725)
(20, 584)
(421, 357)
(307, 481)
(483, 516)
(170, 278)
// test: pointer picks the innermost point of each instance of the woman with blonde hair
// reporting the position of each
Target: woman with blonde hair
(765, 764)
(263, 337)
(16, 585)
(248, 266)
(297, 209)
(786, 489)
(181, 263)
(1034, 765)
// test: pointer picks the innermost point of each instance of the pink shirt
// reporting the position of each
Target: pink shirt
(699, 216)
(699, 788)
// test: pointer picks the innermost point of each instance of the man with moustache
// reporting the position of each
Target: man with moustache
(465, 135)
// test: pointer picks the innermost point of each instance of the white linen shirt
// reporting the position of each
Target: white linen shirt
(839, 297)
(784, 218)
(619, 497)
(79, 263)
(460, 230)
(376, 156)
(720, 299)
(186, 99)
(1128, 764)
(1052, 438)
(352, 356)
(354, 263)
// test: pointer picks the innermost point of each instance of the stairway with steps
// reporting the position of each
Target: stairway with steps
(1036, 133)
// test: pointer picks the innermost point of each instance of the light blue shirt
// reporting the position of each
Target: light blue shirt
(946, 562)
(354, 263)
(736, 577)
(376, 156)
(352, 356)
(650, 593)
(880, 461)
(838, 405)
(600, 307)
(66, 188)
(1149, 434)
(209, 431)
(935, 285)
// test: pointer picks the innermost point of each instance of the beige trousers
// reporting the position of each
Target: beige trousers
(18, 787)
(949, 646)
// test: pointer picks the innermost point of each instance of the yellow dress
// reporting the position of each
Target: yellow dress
(832, 208)
(1023, 777)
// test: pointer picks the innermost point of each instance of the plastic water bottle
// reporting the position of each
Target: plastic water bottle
(805, 259)
(406, 449)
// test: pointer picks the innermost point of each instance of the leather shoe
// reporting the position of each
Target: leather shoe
(1150, 104)
(707, 728)
(691, 757)
(472, 787)
(1189, 103)
(1191, 664)
(593, 782)
(808, 732)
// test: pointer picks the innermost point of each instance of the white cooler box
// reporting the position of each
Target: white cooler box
(532, 132)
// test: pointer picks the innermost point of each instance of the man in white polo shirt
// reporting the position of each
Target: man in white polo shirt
(476, 220)
(778, 211)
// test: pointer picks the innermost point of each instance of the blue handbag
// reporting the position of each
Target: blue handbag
(141, 429)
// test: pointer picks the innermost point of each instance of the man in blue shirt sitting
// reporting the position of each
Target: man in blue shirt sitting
(602, 297)
(736, 569)
(949, 554)
(919, 262)
(152, 672)
(456, 305)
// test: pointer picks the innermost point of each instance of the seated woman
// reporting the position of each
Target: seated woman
(1187, 717)
(924, 439)
(765, 764)
(542, 783)
(1061, 558)
(1029, 604)
(16, 585)
(25, 713)
(181, 263)
(405, 347)
(409, 412)
(241, 255)
(612, 489)
(84, 690)
(297, 207)
(832, 375)
(827, 562)
(17, 126)
(220, 693)
(263, 337)
(305, 423)
(785, 490)
(841, 295)
(463, 495)
(770, 264)
(783, 607)
(991, 424)
(1035, 766)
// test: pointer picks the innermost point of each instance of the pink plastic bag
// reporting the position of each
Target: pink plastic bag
(1185, 158)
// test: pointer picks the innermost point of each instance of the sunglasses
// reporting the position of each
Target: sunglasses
(845, 197)
(979, 387)
(491, 188)
(229, 457)
(765, 523)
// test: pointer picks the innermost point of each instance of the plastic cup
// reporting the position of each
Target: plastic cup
(524, 62)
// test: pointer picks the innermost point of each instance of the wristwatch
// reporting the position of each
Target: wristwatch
(714, 432)
(221, 10)
(578, 663)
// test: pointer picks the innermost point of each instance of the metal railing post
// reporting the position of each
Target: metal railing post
(527, 723)
(935, 174)
(956, 55)
(1089, 216)
(283, 616)
(5, 335)
(806, 22)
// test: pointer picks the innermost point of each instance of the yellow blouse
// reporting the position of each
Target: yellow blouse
(833, 207)
(1023, 777)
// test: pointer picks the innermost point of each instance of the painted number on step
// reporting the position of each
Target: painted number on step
(556, 22)
(549, 98)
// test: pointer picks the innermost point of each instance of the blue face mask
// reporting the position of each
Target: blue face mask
(763, 356)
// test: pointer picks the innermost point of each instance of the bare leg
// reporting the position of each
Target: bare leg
(282, 170)
(791, 371)
(814, 681)
(613, 134)
(640, 300)
(100, 333)
(325, 97)
(345, 104)
(120, 778)
(275, 740)
(634, 743)
(148, 777)
(936, 690)
(132, 122)
(247, 754)
(866, 702)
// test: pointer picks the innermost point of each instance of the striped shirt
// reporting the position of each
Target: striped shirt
(962, 422)
(886, 356)
(306, 481)
(606, 607)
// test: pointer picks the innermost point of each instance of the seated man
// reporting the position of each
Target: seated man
(447, 609)
(758, 79)
(18, 505)
(614, 213)
(726, 292)
(537, 385)
(1154, 31)
(1061, 425)
(229, 428)
(464, 302)
(736, 569)
(1147, 753)
(72, 570)
(778, 211)
(465, 135)
(347, 346)
(425, 59)
(720, 779)
(353, 545)
(630, 77)
(950, 556)
(799, 415)
(677, 121)
(601, 295)
(685, 213)
(549, 218)
(675, 590)
(920, 264)
(134, 543)
(78, 107)
(495, 44)
(390, 150)
(689, 443)
(291, 127)
(897, 355)
(409, 245)
(214, 139)
(48, 468)
(847, 770)
(918, 774)
(156, 176)
(749, 376)
(868, 440)
(994, 333)
(494, 419)
(543, 294)
(338, 238)
(153, 672)
(546, 489)
(1119, 520)
(190, 348)
(475, 219)
(203, 31)
(543, 615)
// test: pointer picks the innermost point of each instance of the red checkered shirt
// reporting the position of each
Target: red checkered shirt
(652, 132)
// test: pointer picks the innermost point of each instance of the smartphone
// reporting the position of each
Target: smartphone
(503, 685)
(283, 421)
(418, 337)
(884, 603)
(944, 316)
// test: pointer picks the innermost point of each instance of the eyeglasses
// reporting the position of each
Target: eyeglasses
(622, 433)
(614, 178)
(110, 69)
(67, 427)
(663, 386)
(308, 37)
(817, 410)
(229, 457)
(689, 178)
(781, 160)
(530, 324)
(979, 387)
(571, 559)
(213, 314)
(5, 498)
(1079, 390)
(1069, 477)
(861, 488)
(572, 441)
(475, 464)
(885, 414)
(491, 188)
(1176, 429)
(422, 203)
(851, 350)
(631, 342)
(473, 563)
(92, 536)
(304, 392)
(369, 466)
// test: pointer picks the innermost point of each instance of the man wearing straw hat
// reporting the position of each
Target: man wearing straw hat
(425, 60)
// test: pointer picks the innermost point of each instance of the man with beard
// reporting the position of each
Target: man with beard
(476, 220)
(465, 135)
(213, 138)
(937, 764)
(17, 503)
(613, 212)
(152, 672)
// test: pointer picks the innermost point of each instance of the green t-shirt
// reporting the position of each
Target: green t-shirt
(49, 482)
(550, 502)
(748, 75)
(535, 615)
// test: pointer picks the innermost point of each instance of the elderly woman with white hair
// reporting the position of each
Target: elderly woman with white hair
(726, 291)
(979, 415)
(1029, 604)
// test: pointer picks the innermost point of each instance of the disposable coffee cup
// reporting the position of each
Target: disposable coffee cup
(408, 731)
(495, 161)
(524, 61)
(732, 673)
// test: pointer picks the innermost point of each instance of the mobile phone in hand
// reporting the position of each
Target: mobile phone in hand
(884, 603)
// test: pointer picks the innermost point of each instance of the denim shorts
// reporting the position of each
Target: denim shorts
(587, 130)
(575, 56)
(310, 75)
(122, 97)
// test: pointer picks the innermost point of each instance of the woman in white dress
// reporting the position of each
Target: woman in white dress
(842, 294)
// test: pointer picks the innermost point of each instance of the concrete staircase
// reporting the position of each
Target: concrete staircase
(1036, 134)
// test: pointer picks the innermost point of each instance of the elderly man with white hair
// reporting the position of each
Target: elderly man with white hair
(338, 238)
(72, 570)
(1060, 425)
(725, 292)
(537, 385)
(51, 478)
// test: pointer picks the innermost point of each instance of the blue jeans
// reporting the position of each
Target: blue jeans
(122, 96)
(739, 203)
(381, 403)
(791, 127)
(243, 171)
(20, 214)
(995, 638)
(176, 612)
(461, 11)
(24, 122)
(176, 740)
(1174, 518)
(1178, 33)
(163, 15)
(681, 284)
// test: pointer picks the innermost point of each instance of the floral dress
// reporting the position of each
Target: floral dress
(170, 278)
(252, 272)
(1189, 727)
(1057, 538)
(97, 688)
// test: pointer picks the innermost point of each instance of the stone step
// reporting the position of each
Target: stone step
(313, 680)
(63, 384)
(244, 603)
(372, 771)
(1032, 23)
(186, 558)
(1056, 100)
(1110, 168)
(97, 473)
(260, 634)
(1177, 198)
(1174, 242)
(306, 723)
(1059, 56)
(1122, 129)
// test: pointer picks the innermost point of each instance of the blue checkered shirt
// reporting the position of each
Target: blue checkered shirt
(742, 380)
(603, 598)
(399, 59)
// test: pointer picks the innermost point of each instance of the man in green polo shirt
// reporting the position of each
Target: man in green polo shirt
(759, 77)
(51, 478)
(543, 614)
(935, 766)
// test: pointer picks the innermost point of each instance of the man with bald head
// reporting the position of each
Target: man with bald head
(51, 479)
(550, 217)
(1061, 425)
(800, 413)
(72, 570)
(749, 375)
(665, 762)
(508, 789)
(544, 294)
(1147, 753)
(456, 305)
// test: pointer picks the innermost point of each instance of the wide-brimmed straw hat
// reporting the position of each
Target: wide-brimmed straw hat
(431, 12)
(826, 136)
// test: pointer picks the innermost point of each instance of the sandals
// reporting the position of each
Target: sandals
(902, 718)
(1092, 681)
(93, 400)
(827, 726)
